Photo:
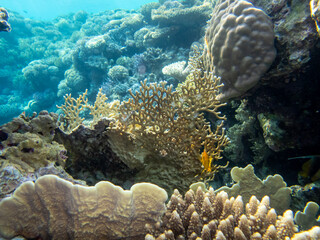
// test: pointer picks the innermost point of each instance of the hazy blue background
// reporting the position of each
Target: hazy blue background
(49, 9)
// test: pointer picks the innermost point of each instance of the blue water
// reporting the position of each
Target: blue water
(49, 9)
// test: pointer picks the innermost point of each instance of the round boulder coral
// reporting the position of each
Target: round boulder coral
(239, 46)
(118, 73)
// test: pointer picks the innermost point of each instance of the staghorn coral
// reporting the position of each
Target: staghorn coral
(53, 208)
(206, 215)
(239, 44)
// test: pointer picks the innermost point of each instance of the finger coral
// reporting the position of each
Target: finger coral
(206, 216)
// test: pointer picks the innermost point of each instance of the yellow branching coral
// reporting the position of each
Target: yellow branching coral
(72, 109)
(171, 123)
(101, 108)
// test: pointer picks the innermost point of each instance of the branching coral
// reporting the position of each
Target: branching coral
(101, 108)
(162, 121)
(171, 122)
(72, 109)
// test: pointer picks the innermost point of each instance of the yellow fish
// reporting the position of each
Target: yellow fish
(206, 161)
(311, 168)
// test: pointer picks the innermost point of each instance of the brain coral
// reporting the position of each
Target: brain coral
(239, 45)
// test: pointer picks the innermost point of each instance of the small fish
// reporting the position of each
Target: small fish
(206, 161)
(311, 168)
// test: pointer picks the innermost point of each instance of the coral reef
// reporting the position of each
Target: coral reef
(43, 210)
(169, 134)
(46, 208)
(239, 45)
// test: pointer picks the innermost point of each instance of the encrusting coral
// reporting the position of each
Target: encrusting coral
(28, 142)
(206, 216)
